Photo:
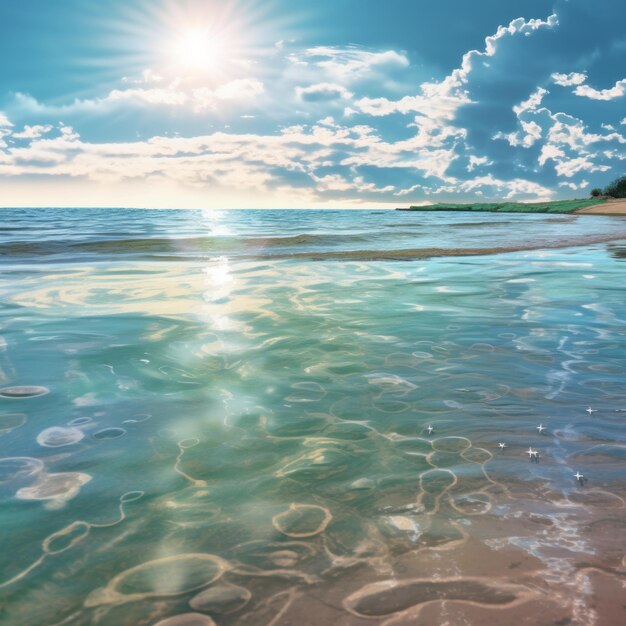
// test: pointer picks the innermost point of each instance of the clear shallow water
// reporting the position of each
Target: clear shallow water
(237, 411)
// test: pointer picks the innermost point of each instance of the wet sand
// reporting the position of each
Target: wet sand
(610, 207)
(525, 567)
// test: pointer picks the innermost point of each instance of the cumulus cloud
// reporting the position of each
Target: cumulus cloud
(569, 167)
(567, 80)
(533, 102)
(489, 185)
(5, 129)
(347, 64)
(247, 159)
(322, 92)
(442, 99)
(32, 132)
(508, 122)
(574, 186)
(174, 95)
(617, 91)
(476, 161)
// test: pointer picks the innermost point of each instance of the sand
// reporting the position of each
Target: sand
(610, 207)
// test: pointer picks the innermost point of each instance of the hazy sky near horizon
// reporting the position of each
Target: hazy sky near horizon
(286, 103)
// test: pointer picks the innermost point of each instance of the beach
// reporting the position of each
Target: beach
(268, 418)
(610, 207)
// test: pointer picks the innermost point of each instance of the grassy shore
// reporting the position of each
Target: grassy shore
(559, 206)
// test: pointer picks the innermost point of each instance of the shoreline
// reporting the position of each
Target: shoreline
(614, 206)
(610, 207)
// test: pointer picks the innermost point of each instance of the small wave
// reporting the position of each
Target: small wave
(481, 224)
(168, 244)
(424, 253)
(313, 247)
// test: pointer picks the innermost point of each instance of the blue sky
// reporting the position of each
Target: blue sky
(286, 103)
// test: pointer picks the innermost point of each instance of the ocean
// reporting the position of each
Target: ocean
(222, 417)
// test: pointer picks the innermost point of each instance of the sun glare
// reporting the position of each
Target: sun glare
(197, 49)
(206, 42)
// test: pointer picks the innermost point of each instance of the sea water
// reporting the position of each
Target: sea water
(223, 415)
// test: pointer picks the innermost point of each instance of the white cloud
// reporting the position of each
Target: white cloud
(572, 148)
(572, 132)
(240, 160)
(490, 186)
(476, 161)
(569, 167)
(336, 182)
(349, 63)
(573, 186)
(32, 132)
(617, 91)
(409, 190)
(5, 129)
(614, 154)
(145, 96)
(148, 77)
(322, 92)
(338, 156)
(567, 80)
(176, 94)
(533, 102)
(436, 102)
(532, 133)
(442, 99)
(550, 152)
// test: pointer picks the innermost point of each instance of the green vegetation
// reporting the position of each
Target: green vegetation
(596, 192)
(559, 206)
(617, 189)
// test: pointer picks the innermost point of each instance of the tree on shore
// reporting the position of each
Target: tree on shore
(596, 192)
(616, 189)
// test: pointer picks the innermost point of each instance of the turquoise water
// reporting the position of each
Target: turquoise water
(233, 409)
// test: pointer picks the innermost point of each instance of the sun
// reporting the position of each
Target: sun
(197, 49)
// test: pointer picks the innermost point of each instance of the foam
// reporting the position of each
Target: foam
(59, 436)
(57, 488)
(405, 524)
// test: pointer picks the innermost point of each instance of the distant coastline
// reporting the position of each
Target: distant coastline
(587, 206)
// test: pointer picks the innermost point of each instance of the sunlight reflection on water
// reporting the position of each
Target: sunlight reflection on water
(238, 436)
